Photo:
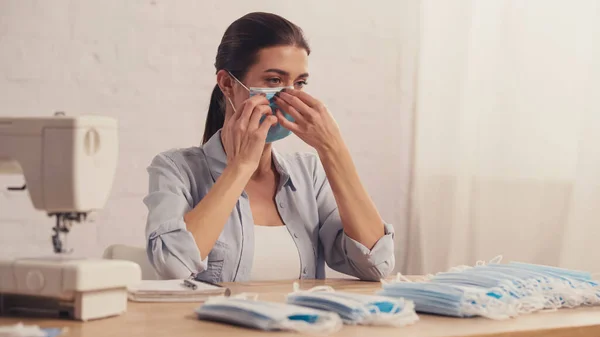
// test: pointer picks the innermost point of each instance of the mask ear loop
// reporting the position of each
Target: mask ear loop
(242, 84)
(496, 260)
(402, 278)
(231, 102)
(327, 323)
(240, 296)
(236, 79)
(296, 289)
(489, 307)
(246, 296)
(401, 314)
(526, 303)
(461, 268)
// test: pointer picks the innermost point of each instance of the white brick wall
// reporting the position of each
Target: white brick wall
(150, 64)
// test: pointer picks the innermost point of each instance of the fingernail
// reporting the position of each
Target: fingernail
(283, 90)
(277, 94)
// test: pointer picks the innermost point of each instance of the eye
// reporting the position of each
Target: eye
(274, 81)
(300, 84)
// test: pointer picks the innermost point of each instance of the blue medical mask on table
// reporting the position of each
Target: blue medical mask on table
(269, 316)
(531, 284)
(450, 300)
(555, 271)
(357, 308)
(577, 287)
(21, 330)
(277, 131)
(503, 287)
(558, 293)
(575, 278)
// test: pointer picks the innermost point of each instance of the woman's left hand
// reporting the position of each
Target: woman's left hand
(312, 121)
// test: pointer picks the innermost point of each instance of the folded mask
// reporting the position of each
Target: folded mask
(566, 288)
(277, 131)
(581, 281)
(557, 293)
(512, 290)
(555, 271)
(532, 285)
(450, 300)
(357, 308)
(263, 315)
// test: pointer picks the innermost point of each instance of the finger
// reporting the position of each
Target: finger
(252, 102)
(249, 106)
(257, 114)
(294, 102)
(266, 125)
(290, 110)
(304, 97)
(286, 123)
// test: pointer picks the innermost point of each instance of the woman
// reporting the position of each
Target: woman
(234, 209)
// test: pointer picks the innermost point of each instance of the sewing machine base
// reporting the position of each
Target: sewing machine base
(83, 307)
(59, 286)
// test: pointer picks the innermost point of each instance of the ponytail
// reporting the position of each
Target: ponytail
(216, 114)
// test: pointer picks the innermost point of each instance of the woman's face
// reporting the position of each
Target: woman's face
(281, 66)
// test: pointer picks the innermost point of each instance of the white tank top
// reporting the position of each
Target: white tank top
(275, 254)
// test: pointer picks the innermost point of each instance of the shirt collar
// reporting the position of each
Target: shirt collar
(217, 160)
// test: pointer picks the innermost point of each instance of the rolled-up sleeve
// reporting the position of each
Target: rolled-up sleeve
(342, 253)
(171, 248)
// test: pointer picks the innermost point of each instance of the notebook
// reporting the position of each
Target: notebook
(174, 291)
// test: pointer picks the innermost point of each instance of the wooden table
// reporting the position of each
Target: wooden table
(178, 319)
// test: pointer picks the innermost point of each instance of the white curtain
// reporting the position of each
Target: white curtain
(507, 134)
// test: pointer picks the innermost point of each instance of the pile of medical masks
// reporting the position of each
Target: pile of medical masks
(492, 290)
(269, 316)
(498, 291)
(320, 310)
(357, 309)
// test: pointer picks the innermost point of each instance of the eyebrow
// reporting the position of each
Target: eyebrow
(283, 72)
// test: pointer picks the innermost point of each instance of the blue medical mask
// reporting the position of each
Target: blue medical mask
(581, 282)
(553, 290)
(562, 287)
(555, 271)
(357, 308)
(533, 286)
(277, 131)
(450, 300)
(268, 316)
(501, 286)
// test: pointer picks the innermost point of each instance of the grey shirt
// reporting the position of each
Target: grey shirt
(180, 178)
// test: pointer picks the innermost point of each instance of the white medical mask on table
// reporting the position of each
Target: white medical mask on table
(357, 308)
(276, 132)
(269, 316)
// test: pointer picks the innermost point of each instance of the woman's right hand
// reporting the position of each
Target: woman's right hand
(244, 136)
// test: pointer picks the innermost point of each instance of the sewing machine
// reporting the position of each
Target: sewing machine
(68, 164)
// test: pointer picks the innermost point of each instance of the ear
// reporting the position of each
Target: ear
(225, 82)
